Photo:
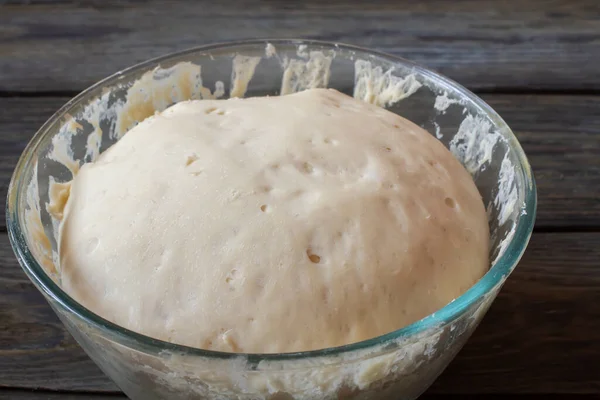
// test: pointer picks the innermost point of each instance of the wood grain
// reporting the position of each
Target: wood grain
(34, 346)
(20, 118)
(561, 137)
(524, 45)
(560, 134)
(46, 395)
(6, 394)
(542, 335)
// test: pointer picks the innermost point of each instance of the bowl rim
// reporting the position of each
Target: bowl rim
(495, 276)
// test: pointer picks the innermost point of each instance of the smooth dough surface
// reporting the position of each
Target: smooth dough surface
(273, 224)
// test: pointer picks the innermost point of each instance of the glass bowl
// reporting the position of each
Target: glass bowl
(399, 365)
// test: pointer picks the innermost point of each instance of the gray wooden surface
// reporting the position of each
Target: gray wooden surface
(516, 44)
(46, 395)
(535, 62)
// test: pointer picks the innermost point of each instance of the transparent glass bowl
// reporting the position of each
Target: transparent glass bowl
(398, 365)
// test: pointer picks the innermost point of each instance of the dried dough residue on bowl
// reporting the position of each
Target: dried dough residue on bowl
(109, 117)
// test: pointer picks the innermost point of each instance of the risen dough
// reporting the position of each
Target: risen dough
(274, 224)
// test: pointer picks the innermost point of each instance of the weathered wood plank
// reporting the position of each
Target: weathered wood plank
(543, 332)
(65, 45)
(34, 346)
(12, 394)
(561, 135)
(20, 118)
(39, 395)
(542, 335)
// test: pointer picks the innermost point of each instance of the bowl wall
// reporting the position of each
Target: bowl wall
(399, 365)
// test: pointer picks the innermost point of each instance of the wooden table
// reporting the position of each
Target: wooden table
(536, 62)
